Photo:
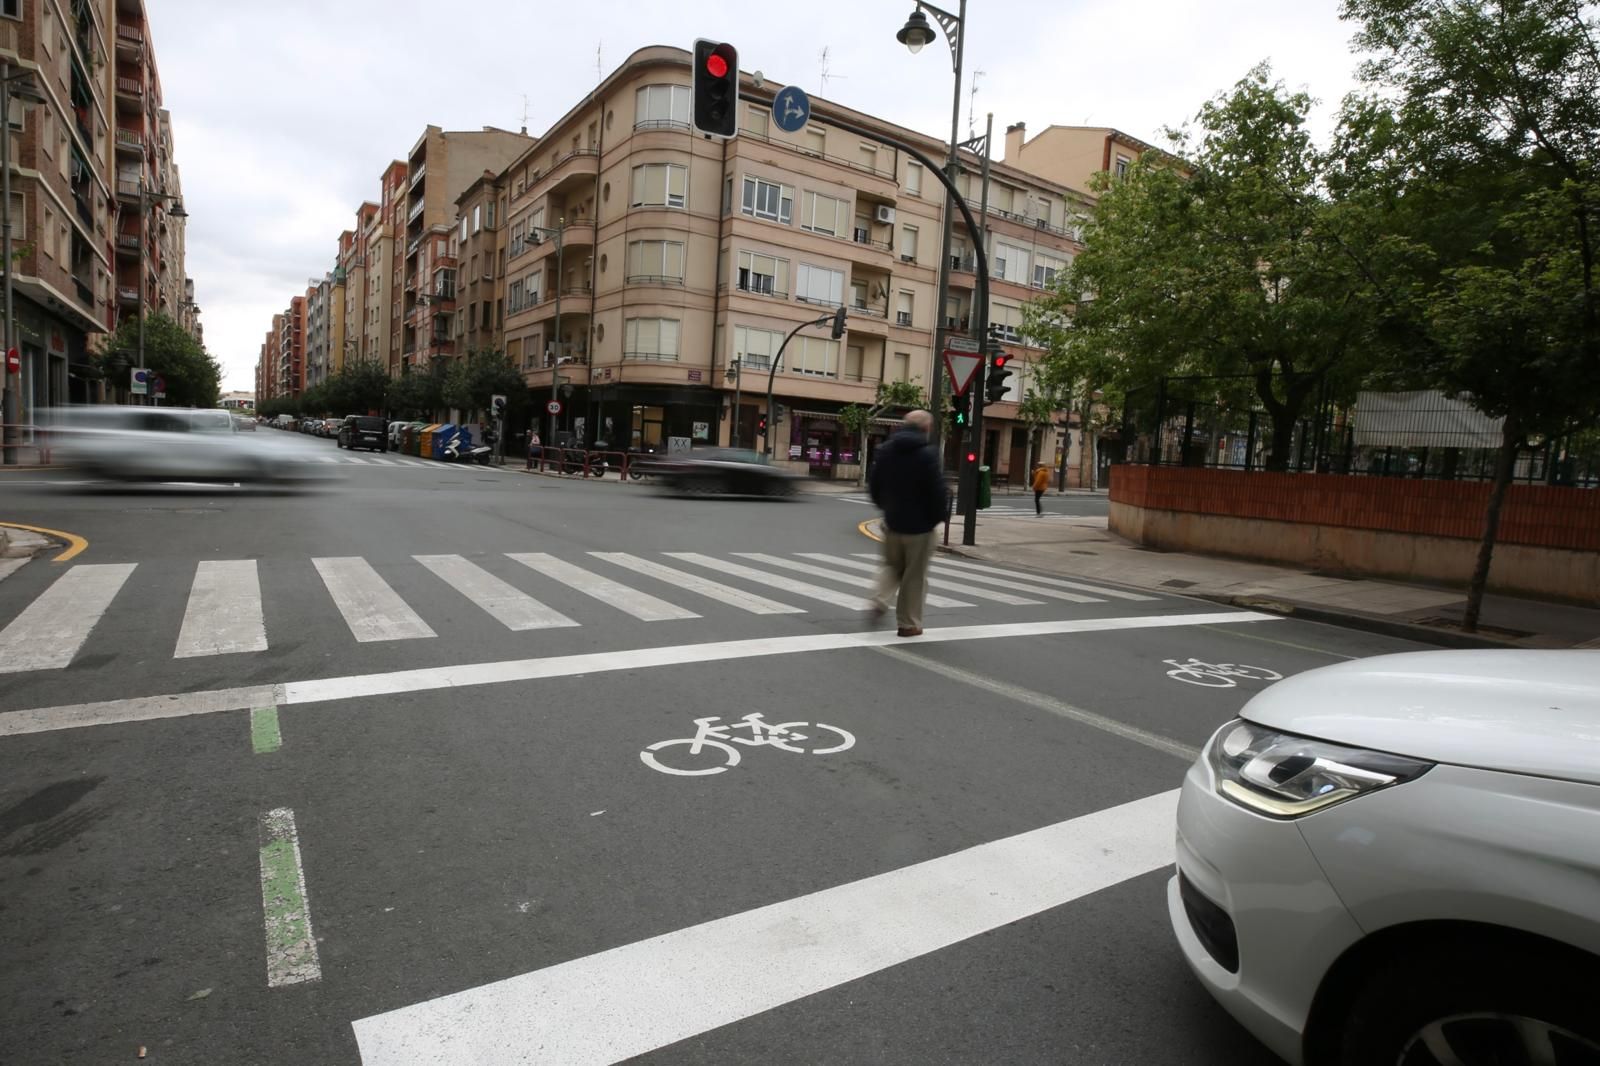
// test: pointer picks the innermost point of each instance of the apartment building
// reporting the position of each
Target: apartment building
(478, 289)
(353, 260)
(652, 275)
(291, 342)
(318, 352)
(441, 166)
(338, 301)
(1073, 155)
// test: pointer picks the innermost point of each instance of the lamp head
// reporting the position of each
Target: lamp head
(916, 32)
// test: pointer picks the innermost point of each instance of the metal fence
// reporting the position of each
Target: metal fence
(1218, 423)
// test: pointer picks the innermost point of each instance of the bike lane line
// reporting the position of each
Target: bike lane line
(633, 999)
(291, 946)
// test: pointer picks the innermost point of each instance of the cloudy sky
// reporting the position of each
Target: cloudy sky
(286, 112)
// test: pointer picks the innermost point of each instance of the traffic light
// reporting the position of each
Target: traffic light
(777, 413)
(716, 88)
(761, 425)
(838, 322)
(994, 387)
(960, 405)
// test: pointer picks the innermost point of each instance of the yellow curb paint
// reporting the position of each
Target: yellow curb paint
(866, 530)
(75, 543)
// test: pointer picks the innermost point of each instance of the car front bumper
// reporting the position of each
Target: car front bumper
(1261, 924)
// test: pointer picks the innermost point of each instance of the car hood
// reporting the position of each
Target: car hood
(1526, 712)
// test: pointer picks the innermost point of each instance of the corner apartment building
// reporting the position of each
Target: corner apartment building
(646, 265)
(441, 166)
(73, 231)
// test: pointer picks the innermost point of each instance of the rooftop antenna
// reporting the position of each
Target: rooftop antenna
(972, 99)
(822, 60)
(599, 76)
(524, 113)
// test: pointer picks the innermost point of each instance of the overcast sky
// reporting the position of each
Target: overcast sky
(285, 113)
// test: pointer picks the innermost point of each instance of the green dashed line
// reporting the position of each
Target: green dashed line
(291, 947)
(264, 734)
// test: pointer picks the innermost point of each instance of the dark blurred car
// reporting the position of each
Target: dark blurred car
(364, 431)
(723, 472)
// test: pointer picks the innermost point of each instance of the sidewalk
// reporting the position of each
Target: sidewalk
(1084, 547)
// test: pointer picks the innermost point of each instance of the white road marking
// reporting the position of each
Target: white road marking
(353, 459)
(286, 909)
(1032, 589)
(371, 609)
(327, 459)
(509, 605)
(633, 999)
(933, 582)
(177, 705)
(380, 462)
(777, 581)
(723, 594)
(1098, 590)
(641, 605)
(224, 611)
(11, 566)
(51, 629)
(858, 580)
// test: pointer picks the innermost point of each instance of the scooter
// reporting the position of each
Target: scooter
(462, 450)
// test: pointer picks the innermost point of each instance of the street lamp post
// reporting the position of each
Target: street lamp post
(555, 352)
(11, 410)
(733, 375)
(147, 200)
(914, 35)
(836, 319)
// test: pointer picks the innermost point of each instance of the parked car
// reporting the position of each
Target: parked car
(1393, 861)
(723, 471)
(395, 432)
(363, 431)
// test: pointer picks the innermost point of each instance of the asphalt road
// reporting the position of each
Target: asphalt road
(311, 832)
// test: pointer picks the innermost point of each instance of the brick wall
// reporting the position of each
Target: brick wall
(1534, 515)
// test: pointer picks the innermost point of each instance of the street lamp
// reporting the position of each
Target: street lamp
(915, 34)
(21, 86)
(147, 200)
(555, 353)
(733, 376)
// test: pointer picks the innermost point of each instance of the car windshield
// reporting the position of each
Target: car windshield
(212, 422)
(727, 455)
(366, 422)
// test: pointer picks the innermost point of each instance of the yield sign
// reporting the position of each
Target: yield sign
(961, 366)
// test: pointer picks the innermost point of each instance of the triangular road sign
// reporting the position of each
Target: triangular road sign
(961, 366)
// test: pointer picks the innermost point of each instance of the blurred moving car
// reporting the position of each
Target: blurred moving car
(363, 431)
(723, 472)
(165, 444)
(1394, 861)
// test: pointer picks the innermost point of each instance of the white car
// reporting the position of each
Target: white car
(141, 443)
(1396, 861)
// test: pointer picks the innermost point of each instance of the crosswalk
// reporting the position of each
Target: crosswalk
(372, 460)
(1000, 510)
(224, 612)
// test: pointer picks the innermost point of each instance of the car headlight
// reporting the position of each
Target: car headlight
(1282, 775)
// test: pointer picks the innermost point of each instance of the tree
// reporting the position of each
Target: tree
(1484, 150)
(470, 383)
(418, 393)
(192, 377)
(1244, 267)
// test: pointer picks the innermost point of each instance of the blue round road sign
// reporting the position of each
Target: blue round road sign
(791, 109)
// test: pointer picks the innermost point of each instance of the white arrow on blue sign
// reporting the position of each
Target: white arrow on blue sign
(791, 109)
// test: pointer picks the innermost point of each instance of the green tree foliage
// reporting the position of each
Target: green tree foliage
(470, 383)
(1244, 267)
(192, 377)
(1480, 146)
(358, 387)
(418, 394)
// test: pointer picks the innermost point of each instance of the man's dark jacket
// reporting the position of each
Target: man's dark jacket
(908, 484)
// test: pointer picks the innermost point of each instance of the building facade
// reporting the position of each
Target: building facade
(479, 293)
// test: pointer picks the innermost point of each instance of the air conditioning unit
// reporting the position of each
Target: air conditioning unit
(884, 213)
(535, 238)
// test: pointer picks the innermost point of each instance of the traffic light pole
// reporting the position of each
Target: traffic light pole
(967, 485)
(838, 320)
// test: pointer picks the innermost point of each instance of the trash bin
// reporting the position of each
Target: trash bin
(414, 438)
(438, 436)
(983, 487)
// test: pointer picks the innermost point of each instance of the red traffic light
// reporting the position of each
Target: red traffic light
(1001, 359)
(716, 66)
(972, 457)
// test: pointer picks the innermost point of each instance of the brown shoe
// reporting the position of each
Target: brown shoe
(909, 631)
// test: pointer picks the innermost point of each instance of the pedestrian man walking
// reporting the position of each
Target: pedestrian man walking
(908, 485)
(1041, 482)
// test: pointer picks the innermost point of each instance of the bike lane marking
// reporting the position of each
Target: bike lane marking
(291, 946)
(355, 686)
(633, 999)
(265, 736)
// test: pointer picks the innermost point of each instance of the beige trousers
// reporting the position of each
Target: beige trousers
(905, 567)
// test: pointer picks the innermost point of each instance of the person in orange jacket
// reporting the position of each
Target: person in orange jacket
(1041, 482)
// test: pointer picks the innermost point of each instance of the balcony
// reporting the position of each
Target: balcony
(130, 93)
(127, 245)
(417, 175)
(128, 191)
(863, 248)
(577, 168)
(130, 34)
(127, 294)
(416, 209)
(902, 318)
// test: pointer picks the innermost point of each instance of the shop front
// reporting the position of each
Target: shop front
(822, 447)
(659, 419)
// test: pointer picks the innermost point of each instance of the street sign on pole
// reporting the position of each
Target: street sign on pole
(962, 367)
(553, 407)
(139, 383)
(13, 361)
(791, 109)
(160, 384)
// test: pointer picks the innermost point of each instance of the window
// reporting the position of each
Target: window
(814, 141)
(757, 121)
(1045, 269)
(824, 214)
(914, 178)
(11, 9)
(514, 296)
(488, 212)
(900, 367)
(819, 285)
(531, 286)
(908, 244)
(1006, 321)
(1122, 166)
(651, 338)
(769, 200)
(518, 238)
(660, 106)
(858, 295)
(763, 274)
(755, 348)
(854, 357)
(1010, 263)
(655, 261)
(869, 157)
(49, 233)
(464, 227)
(477, 217)
(659, 185)
(818, 356)
(904, 305)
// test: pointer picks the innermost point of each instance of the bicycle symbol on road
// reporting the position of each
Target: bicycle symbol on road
(798, 738)
(1217, 675)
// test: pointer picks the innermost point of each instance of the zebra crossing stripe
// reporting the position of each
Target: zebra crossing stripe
(858, 580)
(1028, 587)
(353, 459)
(777, 581)
(507, 604)
(641, 605)
(723, 594)
(224, 610)
(371, 609)
(49, 632)
(933, 582)
(1098, 590)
